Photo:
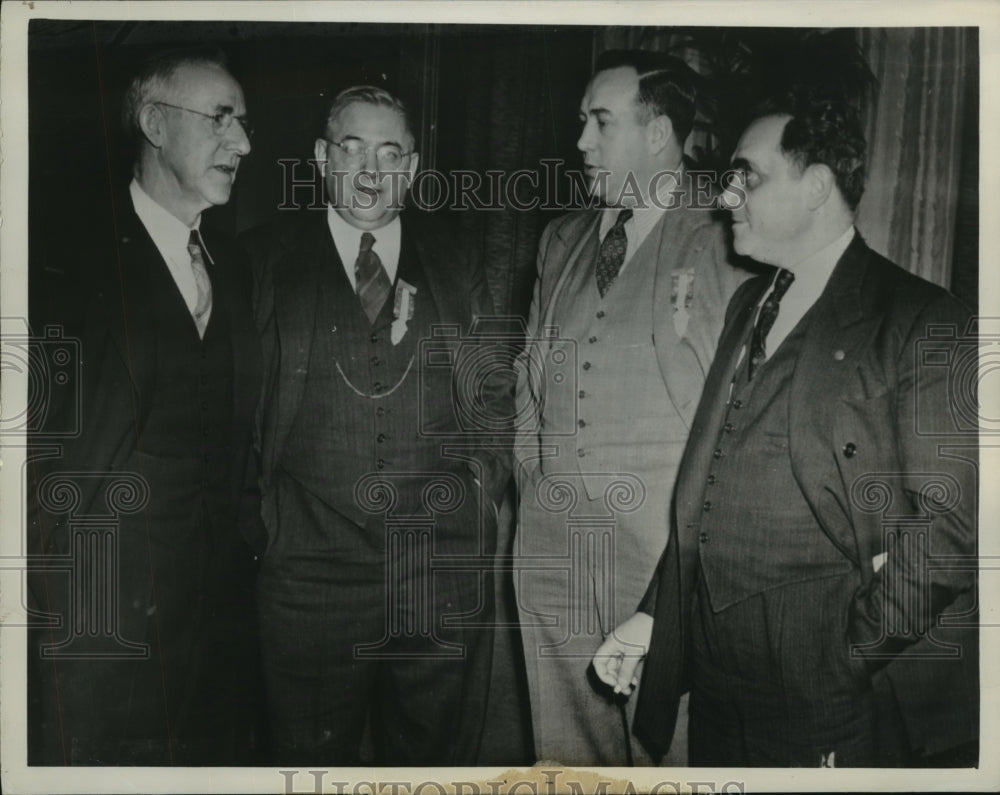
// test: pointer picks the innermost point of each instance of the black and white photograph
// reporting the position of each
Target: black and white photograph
(490, 397)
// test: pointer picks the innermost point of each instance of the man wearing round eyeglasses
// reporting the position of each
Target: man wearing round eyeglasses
(164, 667)
(380, 502)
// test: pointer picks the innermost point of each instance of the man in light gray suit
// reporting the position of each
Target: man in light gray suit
(627, 308)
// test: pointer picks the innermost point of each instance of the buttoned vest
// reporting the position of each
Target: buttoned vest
(614, 414)
(757, 531)
(367, 401)
(184, 445)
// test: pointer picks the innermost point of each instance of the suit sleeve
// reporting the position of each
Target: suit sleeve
(925, 570)
(527, 397)
(495, 390)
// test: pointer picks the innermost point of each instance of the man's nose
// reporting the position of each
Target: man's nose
(585, 143)
(237, 138)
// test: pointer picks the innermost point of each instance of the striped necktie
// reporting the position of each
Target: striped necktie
(372, 280)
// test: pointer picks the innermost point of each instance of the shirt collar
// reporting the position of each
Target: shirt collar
(348, 238)
(165, 228)
(644, 218)
(812, 274)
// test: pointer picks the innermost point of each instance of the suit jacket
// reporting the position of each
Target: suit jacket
(100, 294)
(286, 270)
(687, 238)
(103, 303)
(874, 435)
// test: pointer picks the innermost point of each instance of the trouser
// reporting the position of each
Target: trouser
(581, 568)
(385, 636)
(773, 683)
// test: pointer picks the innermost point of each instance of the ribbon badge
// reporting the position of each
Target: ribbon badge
(402, 310)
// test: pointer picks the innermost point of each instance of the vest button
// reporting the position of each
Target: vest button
(374, 338)
(380, 464)
(375, 361)
(583, 394)
(380, 412)
(717, 454)
(738, 404)
(600, 314)
(728, 427)
(581, 423)
(378, 386)
(204, 380)
(592, 340)
(204, 405)
(380, 438)
(586, 365)
(581, 453)
(850, 449)
(707, 506)
(711, 480)
(703, 537)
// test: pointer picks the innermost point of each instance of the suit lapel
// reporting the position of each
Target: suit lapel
(839, 333)
(296, 291)
(712, 408)
(124, 298)
(438, 261)
(577, 246)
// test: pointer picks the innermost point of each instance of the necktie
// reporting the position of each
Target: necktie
(612, 253)
(373, 282)
(203, 305)
(768, 313)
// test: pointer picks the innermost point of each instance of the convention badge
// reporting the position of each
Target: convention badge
(402, 310)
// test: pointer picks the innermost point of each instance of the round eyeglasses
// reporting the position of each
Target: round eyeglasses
(221, 121)
(388, 156)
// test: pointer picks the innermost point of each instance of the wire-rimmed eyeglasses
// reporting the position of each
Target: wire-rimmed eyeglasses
(388, 156)
(221, 121)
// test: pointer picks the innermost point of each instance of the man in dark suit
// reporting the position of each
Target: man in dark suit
(819, 596)
(149, 494)
(382, 474)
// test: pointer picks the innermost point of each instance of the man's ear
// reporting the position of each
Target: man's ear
(319, 151)
(659, 133)
(820, 182)
(152, 122)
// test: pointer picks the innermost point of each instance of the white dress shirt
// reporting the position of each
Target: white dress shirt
(347, 239)
(170, 236)
(811, 276)
(638, 227)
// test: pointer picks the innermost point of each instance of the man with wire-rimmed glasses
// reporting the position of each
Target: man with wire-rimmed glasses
(380, 499)
(155, 661)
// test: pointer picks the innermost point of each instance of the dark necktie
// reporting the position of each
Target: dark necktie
(203, 305)
(372, 280)
(765, 320)
(612, 253)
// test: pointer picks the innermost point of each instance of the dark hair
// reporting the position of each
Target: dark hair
(824, 131)
(369, 95)
(155, 72)
(667, 86)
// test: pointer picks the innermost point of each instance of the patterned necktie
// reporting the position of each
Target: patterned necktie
(373, 282)
(203, 305)
(765, 320)
(612, 253)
